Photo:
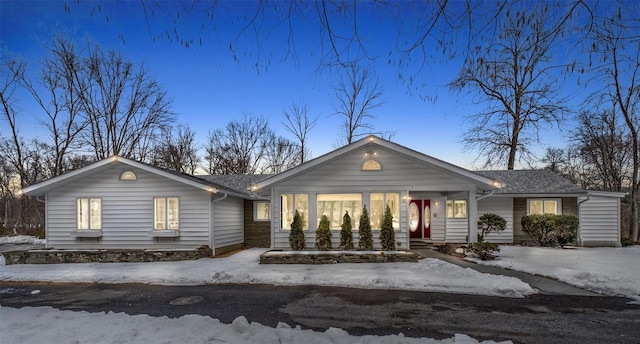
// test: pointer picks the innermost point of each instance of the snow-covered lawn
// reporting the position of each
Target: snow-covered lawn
(20, 239)
(611, 271)
(431, 275)
(42, 324)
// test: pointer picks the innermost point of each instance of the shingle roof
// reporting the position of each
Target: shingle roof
(533, 182)
(239, 183)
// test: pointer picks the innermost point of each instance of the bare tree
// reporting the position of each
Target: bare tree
(55, 91)
(12, 71)
(605, 148)
(516, 76)
(617, 43)
(280, 155)
(357, 93)
(178, 151)
(126, 108)
(239, 148)
(299, 124)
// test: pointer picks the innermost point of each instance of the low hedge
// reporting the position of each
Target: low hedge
(551, 230)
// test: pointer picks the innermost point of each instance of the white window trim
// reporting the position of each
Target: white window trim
(354, 219)
(453, 205)
(89, 227)
(293, 210)
(557, 200)
(166, 214)
(384, 208)
(255, 211)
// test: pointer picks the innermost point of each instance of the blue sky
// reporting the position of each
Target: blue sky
(209, 88)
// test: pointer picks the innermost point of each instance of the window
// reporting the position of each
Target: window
(378, 203)
(261, 211)
(457, 209)
(544, 206)
(128, 175)
(89, 212)
(287, 202)
(165, 213)
(336, 205)
(371, 165)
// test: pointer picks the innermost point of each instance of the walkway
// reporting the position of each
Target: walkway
(545, 285)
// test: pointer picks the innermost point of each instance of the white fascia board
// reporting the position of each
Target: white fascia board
(607, 193)
(539, 195)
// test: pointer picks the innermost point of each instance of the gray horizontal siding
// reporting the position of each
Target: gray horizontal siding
(127, 211)
(228, 216)
(600, 221)
(457, 230)
(398, 173)
(502, 206)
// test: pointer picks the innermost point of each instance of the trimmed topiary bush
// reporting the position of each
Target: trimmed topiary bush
(365, 241)
(296, 237)
(487, 223)
(551, 230)
(323, 234)
(387, 235)
(346, 234)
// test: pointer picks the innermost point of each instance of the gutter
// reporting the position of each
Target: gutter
(483, 196)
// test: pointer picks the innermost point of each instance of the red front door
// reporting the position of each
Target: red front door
(415, 219)
(419, 219)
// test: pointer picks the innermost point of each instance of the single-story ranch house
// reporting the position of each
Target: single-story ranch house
(118, 203)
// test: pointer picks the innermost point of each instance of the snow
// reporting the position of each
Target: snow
(21, 239)
(610, 271)
(41, 324)
(431, 275)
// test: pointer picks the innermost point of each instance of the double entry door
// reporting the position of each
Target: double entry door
(420, 219)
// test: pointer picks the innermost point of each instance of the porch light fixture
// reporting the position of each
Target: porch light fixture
(114, 158)
(371, 138)
(370, 153)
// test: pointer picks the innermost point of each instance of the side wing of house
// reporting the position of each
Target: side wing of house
(149, 212)
(599, 219)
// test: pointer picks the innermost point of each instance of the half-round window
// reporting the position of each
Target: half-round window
(128, 175)
(371, 165)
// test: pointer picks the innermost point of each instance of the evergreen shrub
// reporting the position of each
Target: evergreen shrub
(365, 241)
(323, 234)
(387, 235)
(346, 234)
(296, 236)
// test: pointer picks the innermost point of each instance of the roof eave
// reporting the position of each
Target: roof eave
(43, 187)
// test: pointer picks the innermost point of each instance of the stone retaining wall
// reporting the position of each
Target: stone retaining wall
(103, 256)
(329, 257)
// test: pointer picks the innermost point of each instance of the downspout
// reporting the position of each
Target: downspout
(580, 224)
(213, 220)
(478, 198)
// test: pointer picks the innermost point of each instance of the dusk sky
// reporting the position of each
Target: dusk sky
(209, 88)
